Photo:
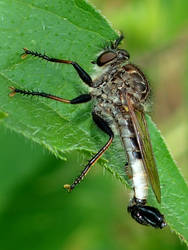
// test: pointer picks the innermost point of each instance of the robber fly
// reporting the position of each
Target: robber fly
(118, 96)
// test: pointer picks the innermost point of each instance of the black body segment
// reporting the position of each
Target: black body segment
(102, 124)
(147, 215)
(82, 73)
(81, 99)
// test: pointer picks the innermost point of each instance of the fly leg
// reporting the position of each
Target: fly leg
(103, 126)
(81, 72)
(79, 99)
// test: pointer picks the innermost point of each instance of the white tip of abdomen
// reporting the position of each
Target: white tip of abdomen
(139, 179)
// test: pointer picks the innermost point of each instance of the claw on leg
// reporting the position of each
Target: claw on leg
(68, 187)
(13, 92)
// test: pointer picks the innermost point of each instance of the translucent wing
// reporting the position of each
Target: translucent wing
(142, 135)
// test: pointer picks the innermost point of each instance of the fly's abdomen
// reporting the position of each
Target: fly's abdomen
(139, 178)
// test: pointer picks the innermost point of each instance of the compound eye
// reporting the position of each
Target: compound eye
(105, 58)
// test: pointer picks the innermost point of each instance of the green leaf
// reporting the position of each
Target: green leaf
(70, 29)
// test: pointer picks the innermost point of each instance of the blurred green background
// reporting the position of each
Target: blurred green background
(35, 211)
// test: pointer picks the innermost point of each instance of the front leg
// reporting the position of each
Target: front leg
(81, 72)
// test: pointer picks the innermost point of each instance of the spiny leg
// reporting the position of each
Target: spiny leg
(79, 99)
(103, 126)
(81, 72)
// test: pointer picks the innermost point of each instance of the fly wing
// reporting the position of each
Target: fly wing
(142, 135)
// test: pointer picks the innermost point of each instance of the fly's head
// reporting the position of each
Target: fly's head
(147, 215)
(112, 55)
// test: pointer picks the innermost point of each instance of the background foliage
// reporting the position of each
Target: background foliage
(35, 211)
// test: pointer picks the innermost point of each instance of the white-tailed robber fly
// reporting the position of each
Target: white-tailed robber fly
(119, 96)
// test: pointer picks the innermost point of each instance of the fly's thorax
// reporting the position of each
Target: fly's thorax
(105, 75)
(138, 85)
(119, 80)
(107, 91)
